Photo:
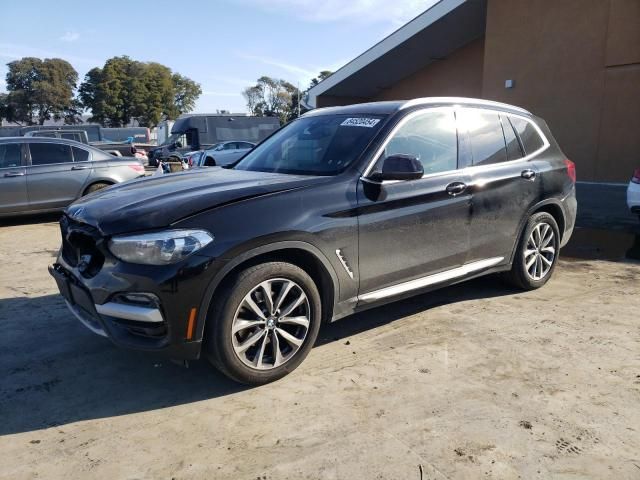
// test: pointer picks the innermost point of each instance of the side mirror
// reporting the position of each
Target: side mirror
(399, 167)
(178, 144)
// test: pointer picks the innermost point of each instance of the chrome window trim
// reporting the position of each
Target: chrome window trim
(468, 169)
(432, 279)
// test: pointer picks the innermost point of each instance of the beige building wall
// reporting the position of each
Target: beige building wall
(576, 64)
(459, 74)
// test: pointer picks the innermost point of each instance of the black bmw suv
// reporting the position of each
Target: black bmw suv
(341, 210)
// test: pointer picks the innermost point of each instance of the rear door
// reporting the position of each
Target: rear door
(13, 179)
(504, 183)
(54, 180)
(412, 229)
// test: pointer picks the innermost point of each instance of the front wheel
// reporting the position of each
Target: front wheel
(263, 323)
(536, 254)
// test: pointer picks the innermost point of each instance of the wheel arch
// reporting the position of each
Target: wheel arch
(301, 254)
(550, 206)
(95, 181)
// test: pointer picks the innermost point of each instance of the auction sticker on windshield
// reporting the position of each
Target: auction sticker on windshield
(360, 122)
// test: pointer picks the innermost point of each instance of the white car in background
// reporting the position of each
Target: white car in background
(224, 153)
(633, 193)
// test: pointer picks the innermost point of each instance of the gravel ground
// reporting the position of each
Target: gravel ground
(473, 381)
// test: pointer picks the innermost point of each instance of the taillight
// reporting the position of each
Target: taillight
(571, 169)
(137, 167)
(636, 176)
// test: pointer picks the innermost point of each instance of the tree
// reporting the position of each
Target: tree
(255, 100)
(272, 97)
(324, 74)
(186, 92)
(126, 89)
(40, 90)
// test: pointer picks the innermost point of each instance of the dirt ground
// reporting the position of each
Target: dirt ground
(473, 381)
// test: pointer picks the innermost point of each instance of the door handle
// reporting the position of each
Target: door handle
(528, 174)
(456, 188)
(79, 167)
(14, 174)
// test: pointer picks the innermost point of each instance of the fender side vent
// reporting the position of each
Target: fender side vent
(344, 263)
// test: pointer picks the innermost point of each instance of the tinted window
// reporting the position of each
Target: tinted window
(229, 146)
(485, 135)
(514, 151)
(314, 145)
(431, 137)
(245, 145)
(10, 154)
(529, 137)
(80, 155)
(47, 153)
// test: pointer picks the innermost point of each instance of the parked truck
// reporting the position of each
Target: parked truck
(197, 132)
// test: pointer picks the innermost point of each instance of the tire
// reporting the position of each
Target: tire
(95, 187)
(527, 275)
(209, 162)
(227, 333)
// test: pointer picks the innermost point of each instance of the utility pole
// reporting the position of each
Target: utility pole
(298, 99)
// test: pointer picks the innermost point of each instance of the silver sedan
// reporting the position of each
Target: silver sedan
(40, 175)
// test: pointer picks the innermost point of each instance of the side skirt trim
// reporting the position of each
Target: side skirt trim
(430, 279)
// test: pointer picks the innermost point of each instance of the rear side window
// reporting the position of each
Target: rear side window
(49, 153)
(529, 136)
(10, 154)
(485, 135)
(431, 137)
(80, 155)
(514, 152)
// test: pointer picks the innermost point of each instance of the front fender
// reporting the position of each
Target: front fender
(240, 258)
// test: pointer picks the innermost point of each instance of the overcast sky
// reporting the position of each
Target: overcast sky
(225, 45)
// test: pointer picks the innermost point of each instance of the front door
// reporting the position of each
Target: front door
(13, 179)
(412, 229)
(54, 180)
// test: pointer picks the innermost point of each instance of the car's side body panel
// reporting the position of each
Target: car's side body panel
(374, 242)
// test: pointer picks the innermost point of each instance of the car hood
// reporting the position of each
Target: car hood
(157, 202)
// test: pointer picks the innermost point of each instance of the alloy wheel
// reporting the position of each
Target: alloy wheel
(540, 251)
(271, 324)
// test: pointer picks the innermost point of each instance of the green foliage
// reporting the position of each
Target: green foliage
(125, 89)
(39, 90)
(321, 76)
(273, 97)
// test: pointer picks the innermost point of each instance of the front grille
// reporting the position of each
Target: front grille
(80, 247)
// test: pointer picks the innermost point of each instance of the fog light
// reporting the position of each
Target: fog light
(148, 300)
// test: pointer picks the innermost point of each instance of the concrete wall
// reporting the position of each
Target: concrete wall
(565, 57)
(459, 74)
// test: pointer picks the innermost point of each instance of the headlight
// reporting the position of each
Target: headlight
(159, 248)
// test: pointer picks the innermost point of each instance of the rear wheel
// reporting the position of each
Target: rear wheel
(537, 253)
(263, 323)
(95, 187)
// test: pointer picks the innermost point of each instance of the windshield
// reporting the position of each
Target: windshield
(317, 145)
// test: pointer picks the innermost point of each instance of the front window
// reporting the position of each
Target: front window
(316, 145)
(431, 137)
(182, 140)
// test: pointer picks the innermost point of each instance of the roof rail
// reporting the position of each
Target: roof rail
(462, 101)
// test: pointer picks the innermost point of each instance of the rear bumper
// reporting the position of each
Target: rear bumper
(570, 209)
